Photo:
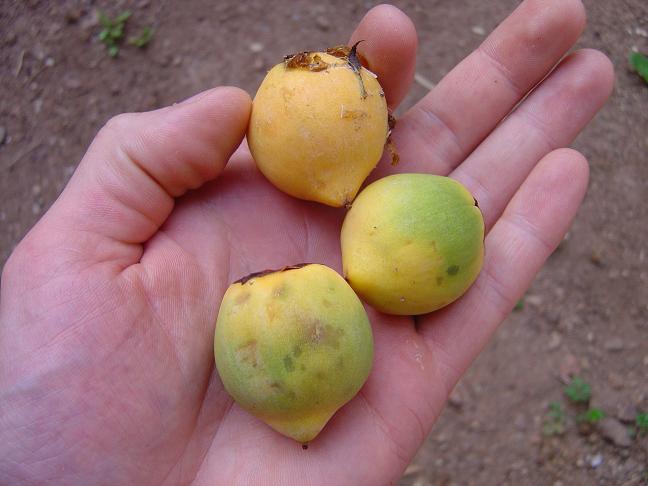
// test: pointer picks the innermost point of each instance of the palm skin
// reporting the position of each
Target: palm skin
(108, 305)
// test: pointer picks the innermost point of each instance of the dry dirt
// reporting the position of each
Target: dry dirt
(586, 313)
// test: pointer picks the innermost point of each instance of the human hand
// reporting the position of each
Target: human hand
(108, 305)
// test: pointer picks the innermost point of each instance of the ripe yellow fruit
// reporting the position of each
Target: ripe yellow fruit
(292, 346)
(318, 126)
(412, 243)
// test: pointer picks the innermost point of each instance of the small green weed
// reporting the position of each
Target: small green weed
(555, 420)
(519, 305)
(640, 64)
(112, 33)
(143, 39)
(641, 422)
(592, 416)
(578, 391)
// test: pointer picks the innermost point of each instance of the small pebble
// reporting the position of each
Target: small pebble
(614, 431)
(478, 30)
(256, 47)
(36, 208)
(412, 469)
(73, 15)
(38, 105)
(614, 344)
(72, 83)
(49, 62)
(626, 412)
(555, 339)
(596, 461)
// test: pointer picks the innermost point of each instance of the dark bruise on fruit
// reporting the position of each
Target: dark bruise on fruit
(262, 273)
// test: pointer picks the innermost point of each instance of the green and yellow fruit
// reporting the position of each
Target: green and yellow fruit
(292, 346)
(412, 243)
(318, 126)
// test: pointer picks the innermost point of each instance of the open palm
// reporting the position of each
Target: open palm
(108, 305)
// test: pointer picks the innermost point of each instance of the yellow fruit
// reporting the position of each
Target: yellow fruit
(292, 346)
(412, 243)
(318, 126)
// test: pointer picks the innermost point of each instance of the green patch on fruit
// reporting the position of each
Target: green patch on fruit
(452, 270)
(430, 230)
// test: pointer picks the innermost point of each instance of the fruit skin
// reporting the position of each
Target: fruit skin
(313, 135)
(412, 243)
(292, 347)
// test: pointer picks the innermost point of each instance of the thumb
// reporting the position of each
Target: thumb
(124, 188)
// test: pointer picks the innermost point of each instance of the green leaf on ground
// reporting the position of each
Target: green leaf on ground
(640, 64)
(641, 421)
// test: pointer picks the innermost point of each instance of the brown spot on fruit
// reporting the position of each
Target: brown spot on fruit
(247, 353)
(439, 280)
(242, 297)
(279, 291)
(325, 334)
(297, 351)
(326, 303)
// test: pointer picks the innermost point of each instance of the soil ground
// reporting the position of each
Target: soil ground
(587, 311)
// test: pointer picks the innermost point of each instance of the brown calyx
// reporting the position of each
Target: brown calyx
(312, 61)
(305, 60)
